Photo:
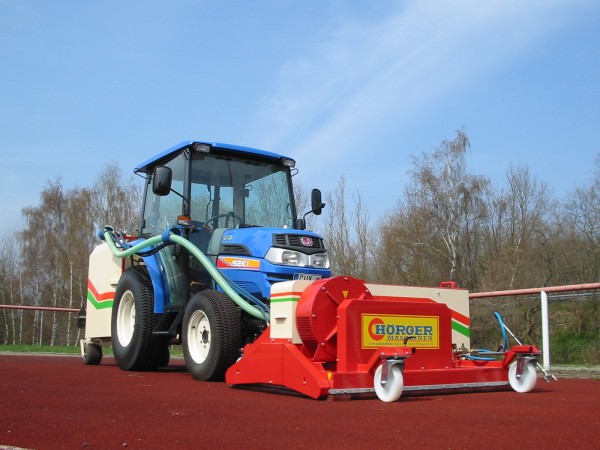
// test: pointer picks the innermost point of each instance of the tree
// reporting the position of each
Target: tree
(443, 206)
(55, 243)
(515, 232)
(346, 234)
(115, 202)
(10, 281)
(583, 214)
(400, 260)
(41, 253)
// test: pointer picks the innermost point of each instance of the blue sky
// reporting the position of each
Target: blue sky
(347, 88)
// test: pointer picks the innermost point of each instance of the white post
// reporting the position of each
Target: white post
(545, 331)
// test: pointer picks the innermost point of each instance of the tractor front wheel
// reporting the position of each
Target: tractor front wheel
(211, 333)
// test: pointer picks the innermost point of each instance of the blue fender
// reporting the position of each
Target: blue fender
(160, 295)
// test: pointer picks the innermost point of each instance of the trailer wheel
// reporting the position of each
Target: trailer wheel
(392, 390)
(211, 335)
(526, 382)
(133, 320)
(92, 354)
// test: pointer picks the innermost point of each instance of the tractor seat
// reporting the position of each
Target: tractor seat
(215, 243)
(200, 236)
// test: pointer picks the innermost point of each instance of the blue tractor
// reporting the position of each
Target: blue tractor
(219, 228)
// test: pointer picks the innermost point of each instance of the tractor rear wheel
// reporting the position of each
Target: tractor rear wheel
(133, 320)
(211, 335)
(163, 357)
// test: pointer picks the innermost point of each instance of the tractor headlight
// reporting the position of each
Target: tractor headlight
(319, 261)
(286, 257)
(298, 259)
(290, 258)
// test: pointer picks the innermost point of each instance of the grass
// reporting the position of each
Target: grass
(73, 349)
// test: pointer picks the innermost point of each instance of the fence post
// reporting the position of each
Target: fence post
(545, 331)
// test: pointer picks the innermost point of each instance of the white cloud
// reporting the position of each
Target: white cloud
(363, 78)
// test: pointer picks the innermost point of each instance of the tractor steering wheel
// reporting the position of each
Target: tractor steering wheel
(228, 215)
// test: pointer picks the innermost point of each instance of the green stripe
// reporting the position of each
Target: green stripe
(284, 299)
(461, 328)
(98, 305)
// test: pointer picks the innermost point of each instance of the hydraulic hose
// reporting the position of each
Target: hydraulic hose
(481, 358)
(247, 296)
(124, 253)
(504, 342)
(219, 279)
(503, 328)
(169, 237)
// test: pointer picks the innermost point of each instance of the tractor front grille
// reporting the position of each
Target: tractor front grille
(299, 242)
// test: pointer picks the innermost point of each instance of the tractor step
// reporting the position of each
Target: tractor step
(169, 322)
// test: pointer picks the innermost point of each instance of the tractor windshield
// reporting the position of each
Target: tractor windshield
(228, 192)
(223, 191)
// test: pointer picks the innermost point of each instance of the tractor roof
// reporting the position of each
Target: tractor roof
(241, 151)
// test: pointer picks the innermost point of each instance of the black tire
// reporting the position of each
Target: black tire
(133, 320)
(92, 354)
(211, 335)
(164, 356)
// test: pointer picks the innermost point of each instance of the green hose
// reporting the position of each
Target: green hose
(120, 253)
(212, 270)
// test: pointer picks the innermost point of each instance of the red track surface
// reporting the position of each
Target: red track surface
(57, 402)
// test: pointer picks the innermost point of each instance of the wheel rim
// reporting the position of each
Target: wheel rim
(126, 318)
(199, 337)
(392, 390)
(526, 382)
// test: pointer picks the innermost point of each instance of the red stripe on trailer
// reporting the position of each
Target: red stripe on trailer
(100, 297)
(291, 296)
(460, 318)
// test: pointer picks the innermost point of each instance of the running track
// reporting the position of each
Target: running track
(49, 402)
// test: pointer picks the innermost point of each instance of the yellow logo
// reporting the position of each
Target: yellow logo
(395, 331)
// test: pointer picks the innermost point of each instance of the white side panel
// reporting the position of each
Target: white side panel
(284, 301)
(104, 273)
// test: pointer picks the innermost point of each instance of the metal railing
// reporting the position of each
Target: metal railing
(39, 308)
(42, 310)
(543, 291)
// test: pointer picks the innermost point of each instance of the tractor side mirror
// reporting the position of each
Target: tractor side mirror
(316, 203)
(161, 183)
(316, 208)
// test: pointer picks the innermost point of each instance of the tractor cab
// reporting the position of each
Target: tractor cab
(211, 187)
(236, 204)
